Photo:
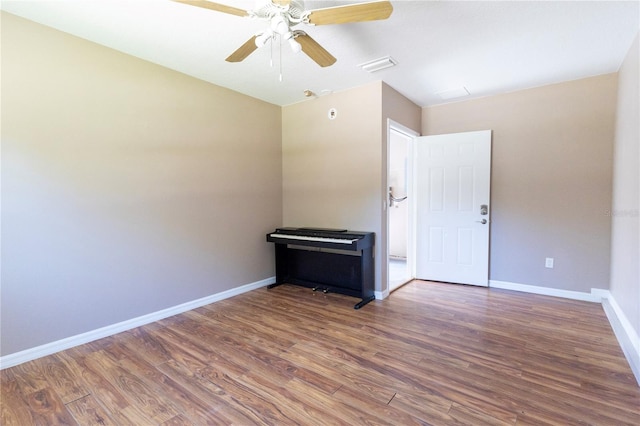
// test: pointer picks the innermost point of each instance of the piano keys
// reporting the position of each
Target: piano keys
(330, 260)
(298, 238)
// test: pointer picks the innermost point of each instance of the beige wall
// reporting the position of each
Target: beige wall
(333, 169)
(127, 188)
(625, 272)
(551, 179)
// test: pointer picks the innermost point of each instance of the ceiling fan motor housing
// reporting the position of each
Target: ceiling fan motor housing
(268, 9)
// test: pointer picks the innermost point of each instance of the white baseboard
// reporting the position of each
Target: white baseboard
(627, 337)
(625, 333)
(80, 339)
(596, 294)
(380, 295)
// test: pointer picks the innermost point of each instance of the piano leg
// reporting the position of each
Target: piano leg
(281, 265)
(363, 302)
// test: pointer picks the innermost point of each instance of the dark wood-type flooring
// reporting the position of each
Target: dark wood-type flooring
(431, 353)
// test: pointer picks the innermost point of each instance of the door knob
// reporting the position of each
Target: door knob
(483, 221)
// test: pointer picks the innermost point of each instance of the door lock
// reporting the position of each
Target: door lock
(484, 209)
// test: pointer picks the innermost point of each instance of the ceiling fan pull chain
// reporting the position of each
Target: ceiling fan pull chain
(271, 58)
(280, 38)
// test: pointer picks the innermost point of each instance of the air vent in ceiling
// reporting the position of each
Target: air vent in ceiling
(378, 64)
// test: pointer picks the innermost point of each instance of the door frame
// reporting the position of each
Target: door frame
(412, 134)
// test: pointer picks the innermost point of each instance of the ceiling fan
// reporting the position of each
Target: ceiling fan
(282, 15)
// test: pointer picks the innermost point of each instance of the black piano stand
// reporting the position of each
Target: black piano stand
(325, 290)
(349, 273)
(363, 302)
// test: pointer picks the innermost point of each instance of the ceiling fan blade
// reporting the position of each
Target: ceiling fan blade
(313, 50)
(243, 51)
(351, 13)
(215, 6)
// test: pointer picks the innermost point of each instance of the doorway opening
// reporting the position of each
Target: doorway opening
(400, 246)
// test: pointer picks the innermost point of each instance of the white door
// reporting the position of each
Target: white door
(452, 207)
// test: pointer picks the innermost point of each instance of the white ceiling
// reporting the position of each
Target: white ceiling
(487, 47)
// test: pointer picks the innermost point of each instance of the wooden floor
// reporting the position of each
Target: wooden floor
(431, 353)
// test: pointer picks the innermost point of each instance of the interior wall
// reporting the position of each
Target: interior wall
(334, 171)
(625, 216)
(127, 188)
(331, 169)
(551, 179)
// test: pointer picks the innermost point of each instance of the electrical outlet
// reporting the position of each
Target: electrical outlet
(548, 262)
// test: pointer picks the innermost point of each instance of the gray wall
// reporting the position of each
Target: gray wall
(625, 267)
(551, 179)
(127, 188)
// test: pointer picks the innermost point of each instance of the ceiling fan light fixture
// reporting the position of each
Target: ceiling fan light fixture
(262, 39)
(295, 46)
(280, 25)
(291, 38)
(378, 64)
